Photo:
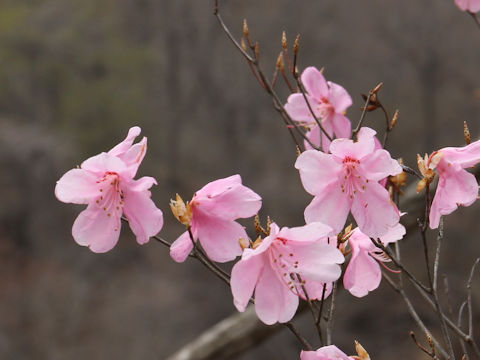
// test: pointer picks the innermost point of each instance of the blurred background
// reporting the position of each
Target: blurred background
(76, 74)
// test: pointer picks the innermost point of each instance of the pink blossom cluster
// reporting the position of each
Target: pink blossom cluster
(348, 176)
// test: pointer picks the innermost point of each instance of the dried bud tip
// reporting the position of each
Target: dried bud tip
(299, 152)
(296, 44)
(394, 119)
(244, 243)
(257, 242)
(257, 50)
(361, 352)
(377, 88)
(322, 69)
(280, 62)
(466, 133)
(243, 45)
(182, 212)
(284, 41)
(256, 224)
(245, 28)
(269, 224)
(421, 185)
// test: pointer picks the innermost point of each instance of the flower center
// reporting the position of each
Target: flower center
(111, 196)
(353, 181)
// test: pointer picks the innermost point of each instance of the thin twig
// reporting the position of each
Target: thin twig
(331, 314)
(362, 117)
(414, 314)
(439, 311)
(469, 298)
(400, 266)
(459, 324)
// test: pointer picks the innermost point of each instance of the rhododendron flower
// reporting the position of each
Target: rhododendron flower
(456, 186)
(348, 179)
(363, 273)
(213, 211)
(328, 100)
(472, 6)
(105, 182)
(330, 352)
(273, 266)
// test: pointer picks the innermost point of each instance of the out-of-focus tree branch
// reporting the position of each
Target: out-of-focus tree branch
(239, 332)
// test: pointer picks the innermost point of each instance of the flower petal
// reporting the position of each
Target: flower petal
(310, 232)
(318, 171)
(331, 207)
(77, 186)
(455, 187)
(330, 352)
(245, 274)
(126, 144)
(297, 108)
(317, 262)
(144, 218)
(341, 126)
(379, 165)
(95, 229)
(104, 162)
(339, 97)
(181, 248)
(274, 302)
(314, 83)
(362, 275)
(228, 199)
(219, 237)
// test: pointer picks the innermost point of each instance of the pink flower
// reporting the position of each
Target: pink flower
(330, 352)
(272, 266)
(363, 273)
(214, 210)
(328, 100)
(456, 186)
(348, 179)
(472, 6)
(105, 182)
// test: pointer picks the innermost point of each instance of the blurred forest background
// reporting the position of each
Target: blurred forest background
(76, 74)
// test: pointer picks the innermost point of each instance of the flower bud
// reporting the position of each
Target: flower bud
(182, 211)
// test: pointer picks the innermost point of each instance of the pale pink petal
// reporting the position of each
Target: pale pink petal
(95, 229)
(341, 126)
(125, 145)
(468, 5)
(379, 165)
(330, 352)
(142, 184)
(339, 97)
(363, 274)
(245, 274)
(315, 290)
(274, 302)
(134, 156)
(144, 218)
(77, 186)
(314, 83)
(317, 262)
(393, 234)
(219, 237)
(455, 187)
(373, 210)
(217, 187)
(181, 248)
(235, 201)
(466, 156)
(342, 148)
(331, 207)
(327, 125)
(318, 171)
(104, 162)
(314, 136)
(310, 232)
(297, 108)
